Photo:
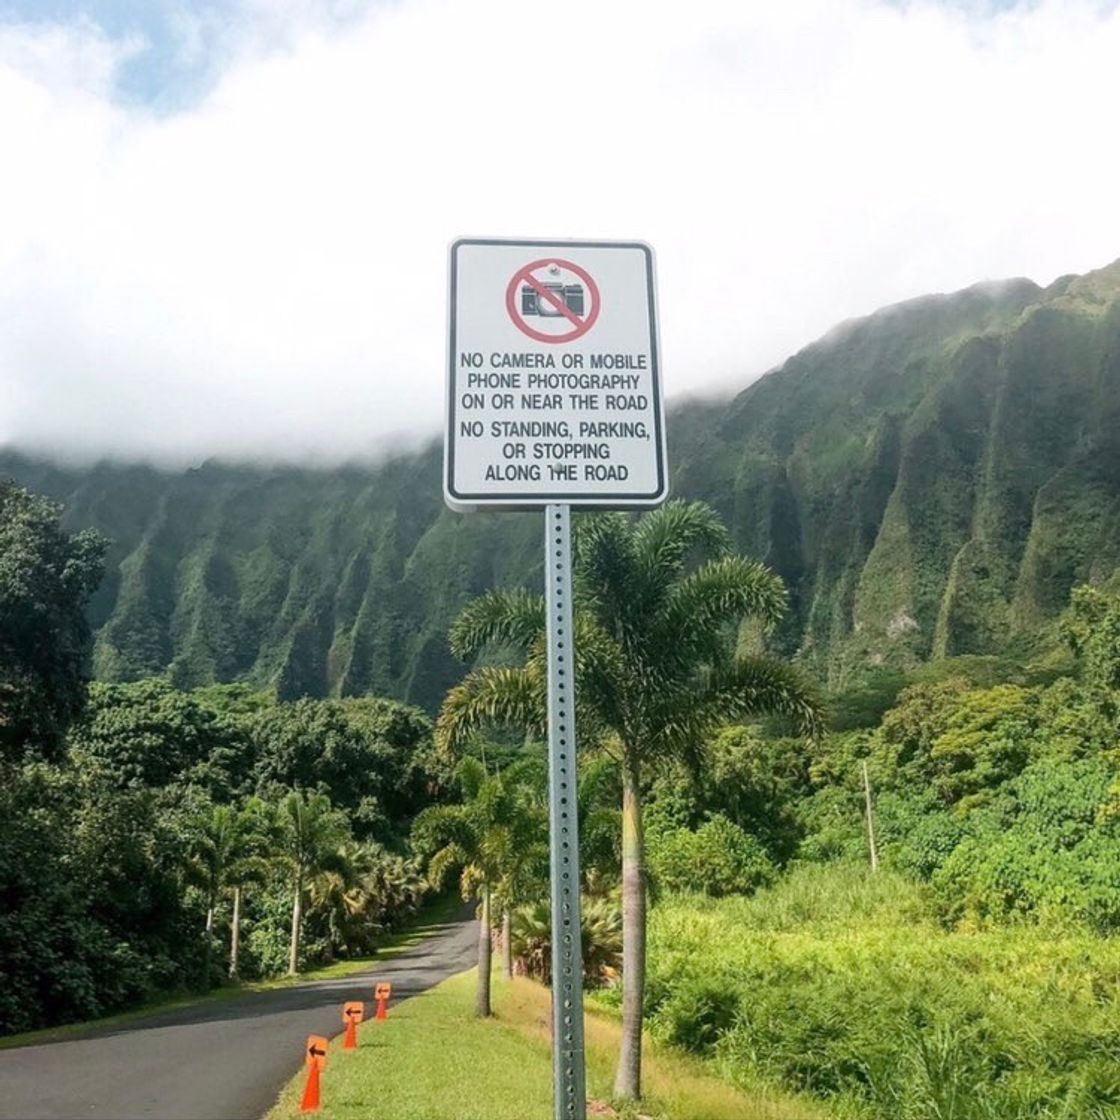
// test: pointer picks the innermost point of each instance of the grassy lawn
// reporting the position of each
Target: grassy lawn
(432, 1060)
(424, 924)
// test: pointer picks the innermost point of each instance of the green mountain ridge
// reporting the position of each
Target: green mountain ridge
(930, 480)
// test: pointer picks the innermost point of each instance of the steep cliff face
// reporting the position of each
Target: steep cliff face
(930, 481)
(312, 582)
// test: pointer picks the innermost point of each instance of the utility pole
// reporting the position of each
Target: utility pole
(870, 818)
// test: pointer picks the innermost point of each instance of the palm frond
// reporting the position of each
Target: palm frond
(439, 826)
(605, 565)
(665, 538)
(748, 686)
(598, 783)
(248, 869)
(471, 774)
(446, 860)
(696, 610)
(528, 778)
(509, 697)
(601, 669)
(512, 618)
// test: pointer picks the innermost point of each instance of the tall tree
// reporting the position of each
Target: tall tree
(485, 839)
(364, 752)
(524, 866)
(46, 580)
(225, 854)
(658, 670)
(311, 834)
(147, 734)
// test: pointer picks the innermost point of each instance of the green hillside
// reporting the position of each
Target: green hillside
(930, 481)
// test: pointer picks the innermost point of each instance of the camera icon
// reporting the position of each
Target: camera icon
(570, 295)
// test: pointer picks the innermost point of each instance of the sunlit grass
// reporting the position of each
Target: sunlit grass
(433, 1060)
(839, 982)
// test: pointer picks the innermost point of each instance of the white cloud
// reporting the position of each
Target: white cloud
(263, 271)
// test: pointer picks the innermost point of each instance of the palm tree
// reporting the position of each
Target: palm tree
(225, 854)
(485, 839)
(311, 834)
(657, 671)
(363, 893)
(600, 938)
(524, 870)
(249, 865)
(337, 893)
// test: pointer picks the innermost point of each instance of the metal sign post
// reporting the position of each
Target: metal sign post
(569, 1094)
(554, 402)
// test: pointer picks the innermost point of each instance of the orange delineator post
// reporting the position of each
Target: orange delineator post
(316, 1059)
(310, 1101)
(381, 993)
(352, 1014)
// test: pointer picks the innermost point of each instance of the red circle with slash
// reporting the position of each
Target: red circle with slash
(581, 324)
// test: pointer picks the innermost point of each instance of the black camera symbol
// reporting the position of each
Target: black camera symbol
(570, 295)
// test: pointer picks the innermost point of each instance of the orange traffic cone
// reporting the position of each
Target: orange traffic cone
(316, 1058)
(310, 1101)
(352, 1012)
(381, 992)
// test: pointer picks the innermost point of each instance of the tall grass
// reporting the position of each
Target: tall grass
(823, 898)
(842, 984)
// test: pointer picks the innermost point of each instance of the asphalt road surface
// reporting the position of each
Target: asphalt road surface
(220, 1060)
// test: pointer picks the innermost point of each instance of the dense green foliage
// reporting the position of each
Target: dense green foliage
(717, 858)
(118, 863)
(841, 983)
(976, 975)
(93, 912)
(929, 481)
(369, 756)
(148, 735)
(46, 578)
(133, 832)
(1001, 797)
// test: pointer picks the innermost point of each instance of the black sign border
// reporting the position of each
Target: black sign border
(537, 500)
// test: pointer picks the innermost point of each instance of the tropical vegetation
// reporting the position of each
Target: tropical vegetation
(489, 839)
(156, 840)
(656, 670)
(896, 898)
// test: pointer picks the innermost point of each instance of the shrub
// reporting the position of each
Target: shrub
(718, 858)
(1039, 851)
(699, 1012)
(601, 928)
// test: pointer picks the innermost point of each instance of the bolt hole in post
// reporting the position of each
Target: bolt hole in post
(567, 966)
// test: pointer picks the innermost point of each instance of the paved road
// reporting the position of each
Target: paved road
(220, 1060)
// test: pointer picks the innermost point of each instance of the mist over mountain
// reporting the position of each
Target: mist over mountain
(930, 480)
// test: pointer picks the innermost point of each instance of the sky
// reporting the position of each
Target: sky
(224, 225)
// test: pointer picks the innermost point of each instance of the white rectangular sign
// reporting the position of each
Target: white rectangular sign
(554, 385)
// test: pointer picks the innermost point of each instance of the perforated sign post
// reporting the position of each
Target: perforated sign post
(554, 402)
